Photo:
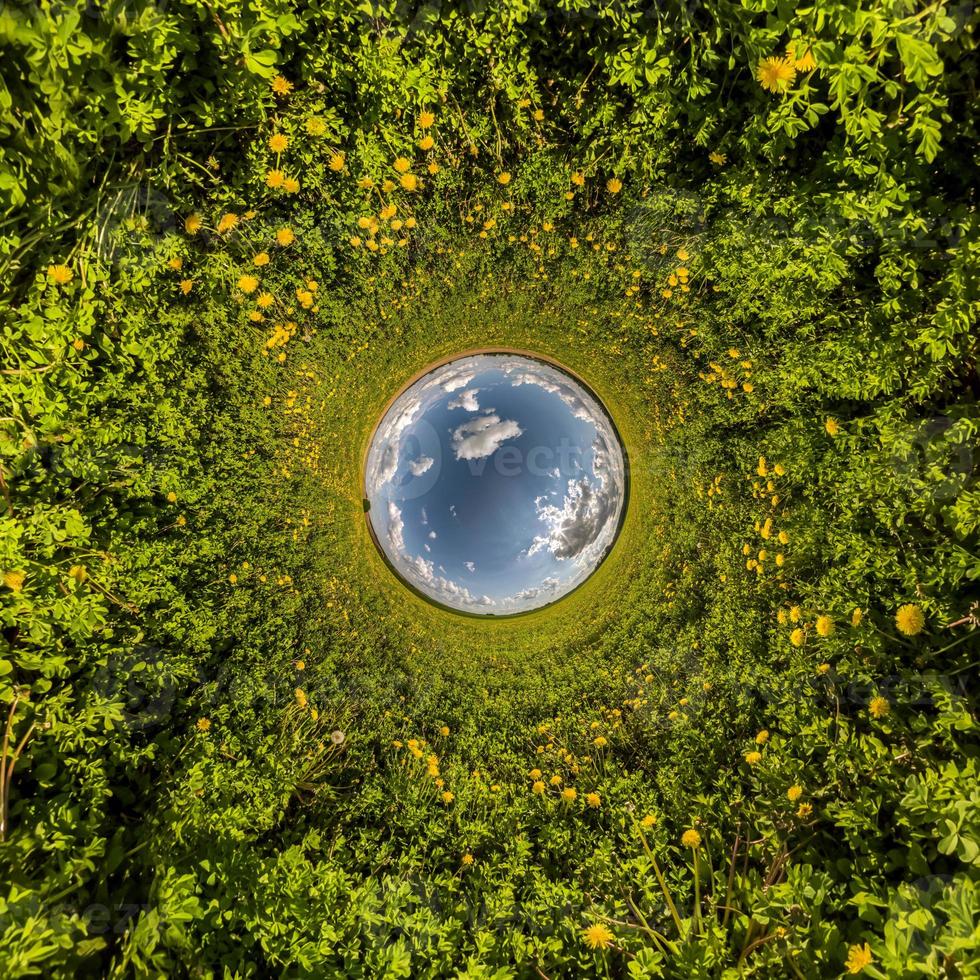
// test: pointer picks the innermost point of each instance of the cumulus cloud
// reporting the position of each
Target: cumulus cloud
(421, 465)
(467, 400)
(470, 566)
(483, 436)
(548, 589)
(578, 523)
(389, 436)
(423, 574)
(457, 382)
(432, 534)
(396, 528)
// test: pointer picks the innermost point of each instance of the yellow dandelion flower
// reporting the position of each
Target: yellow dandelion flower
(227, 222)
(203, 724)
(448, 797)
(857, 616)
(466, 860)
(503, 178)
(858, 957)
(597, 936)
(762, 737)
(648, 821)
(278, 142)
(409, 182)
(879, 707)
(599, 742)
(426, 143)
(794, 793)
(910, 620)
(804, 810)
(281, 86)
(718, 159)
(832, 426)
(337, 161)
(262, 258)
(285, 236)
(192, 224)
(186, 285)
(14, 580)
(426, 119)
(402, 165)
(797, 637)
(614, 185)
(578, 178)
(248, 284)
(801, 55)
(825, 626)
(593, 800)
(61, 275)
(537, 787)
(753, 758)
(433, 167)
(775, 74)
(291, 185)
(568, 794)
(539, 115)
(444, 730)
(691, 838)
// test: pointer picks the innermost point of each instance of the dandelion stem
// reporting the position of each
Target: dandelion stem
(662, 883)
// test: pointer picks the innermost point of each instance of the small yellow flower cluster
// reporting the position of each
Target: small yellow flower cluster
(730, 377)
(281, 334)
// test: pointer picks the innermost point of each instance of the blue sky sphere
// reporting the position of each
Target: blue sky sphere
(495, 483)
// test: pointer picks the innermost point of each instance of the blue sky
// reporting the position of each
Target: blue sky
(496, 484)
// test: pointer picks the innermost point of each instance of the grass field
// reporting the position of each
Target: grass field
(235, 745)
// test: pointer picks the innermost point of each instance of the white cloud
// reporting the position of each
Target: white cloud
(432, 534)
(469, 566)
(422, 573)
(575, 526)
(549, 589)
(467, 400)
(457, 382)
(389, 436)
(421, 465)
(483, 436)
(396, 528)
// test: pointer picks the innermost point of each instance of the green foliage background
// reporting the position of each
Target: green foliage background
(192, 606)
